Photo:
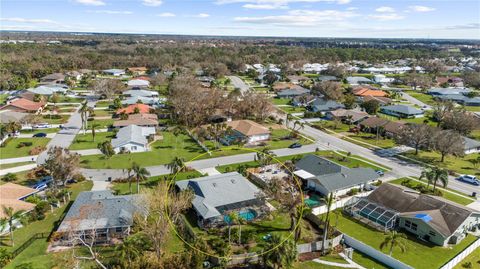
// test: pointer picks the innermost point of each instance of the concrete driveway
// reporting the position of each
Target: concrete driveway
(239, 83)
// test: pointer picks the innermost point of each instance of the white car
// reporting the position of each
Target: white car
(42, 125)
(469, 179)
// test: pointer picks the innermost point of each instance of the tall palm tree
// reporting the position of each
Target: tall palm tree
(93, 126)
(176, 165)
(140, 174)
(300, 211)
(176, 131)
(326, 222)
(128, 250)
(441, 175)
(12, 215)
(298, 123)
(429, 175)
(392, 240)
(233, 216)
(288, 119)
(278, 255)
(83, 114)
(129, 176)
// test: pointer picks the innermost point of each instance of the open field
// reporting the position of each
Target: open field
(11, 149)
(461, 165)
(85, 141)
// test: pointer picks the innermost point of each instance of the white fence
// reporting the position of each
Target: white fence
(457, 259)
(339, 204)
(377, 255)
(317, 246)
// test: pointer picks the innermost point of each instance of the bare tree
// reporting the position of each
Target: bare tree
(441, 109)
(107, 87)
(330, 89)
(416, 135)
(461, 121)
(448, 142)
(61, 164)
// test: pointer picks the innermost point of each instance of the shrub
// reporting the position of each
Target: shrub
(33, 199)
(24, 144)
(37, 150)
(9, 177)
(5, 257)
(467, 265)
(353, 191)
(78, 177)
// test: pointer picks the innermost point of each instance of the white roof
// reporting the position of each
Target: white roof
(303, 174)
(129, 134)
(138, 83)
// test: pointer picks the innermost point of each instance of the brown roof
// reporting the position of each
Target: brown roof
(137, 69)
(374, 122)
(248, 127)
(363, 91)
(24, 104)
(381, 100)
(54, 76)
(138, 119)
(446, 216)
(394, 127)
(14, 191)
(298, 78)
(278, 86)
(345, 113)
(17, 205)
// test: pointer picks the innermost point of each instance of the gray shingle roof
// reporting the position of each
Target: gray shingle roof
(214, 193)
(130, 134)
(470, 143)
(444, 91)
(101, 209)
(142, 93)
(403, 109)
(356, 80)
(334, 176)
(321, 104)
(293, 92)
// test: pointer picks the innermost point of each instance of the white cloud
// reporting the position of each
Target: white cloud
(110, 12)
(201, 15)
(386, 17)
(91, 2)
(300, 18)
(166, 14)
(343, 2)
(152, 3)
(385, 9)
(421, 8)
(265, 6)
(23, 20)
(352, 8)
(277, 3)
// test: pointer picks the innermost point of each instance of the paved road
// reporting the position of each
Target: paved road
(415, 101)
(17, 169)
(239, 83)
(64, 137)
(19, 159)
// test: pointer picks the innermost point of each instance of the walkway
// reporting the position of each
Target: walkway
(349, 264)
(415, 101)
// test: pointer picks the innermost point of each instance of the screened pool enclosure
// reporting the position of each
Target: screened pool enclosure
(373, 214)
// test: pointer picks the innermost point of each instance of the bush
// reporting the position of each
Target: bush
(9, 177)
(33, 199)
(53, 117)
(24, 144)
(78, 177)
(37, 150)
(353, 191)
(467, 265)
(5, 257)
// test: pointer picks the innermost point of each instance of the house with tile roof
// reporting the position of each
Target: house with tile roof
(215, 197)
(108, 216)
(248, 131)
(134, 108)
(14, 195)
(143, 120)
(326, 177)
(24, 105)
(137, 71)
(430, 218)
(364, 91)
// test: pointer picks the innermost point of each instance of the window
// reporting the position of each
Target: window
(432, 233)
(118, 229)
(414, 226)
(134, 147)
(408, 224)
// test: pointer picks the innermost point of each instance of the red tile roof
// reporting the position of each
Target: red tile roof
(25, 104)
(369, 92)
(143, 109)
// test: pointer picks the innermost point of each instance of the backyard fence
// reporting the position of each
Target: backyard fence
(27, 243)
(462, 255)
(317, 246)
(375, 254)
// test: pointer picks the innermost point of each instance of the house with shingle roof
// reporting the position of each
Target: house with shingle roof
(114, 72)
(471, 145)
(347, 115)
(219, 195)
(109, 216)
(358, 80)
(55, 78)
(326, 177)
(248, 131)
(402, 111)
(430, 218)
(324, 105)
(143, 120)
(131, 138)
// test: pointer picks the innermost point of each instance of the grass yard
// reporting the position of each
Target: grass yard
(36, 131)
(3, 98)
(457, 198)
(473, 108)
(55, 119)
(103, 103)
(103, 112)
(460, 165)
(418, 254)
(36, 253)
(10, 149)
(162, 152)
(473, 258)
(292, 109)
(425, 98)
(102, 124)
(281, 101)
(338, 127)
(66, 99)
(475, 134)
(372, 140)
(84, 141)
(123, 187)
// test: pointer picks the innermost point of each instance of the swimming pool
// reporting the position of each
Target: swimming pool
(312, 201)
(247, 215)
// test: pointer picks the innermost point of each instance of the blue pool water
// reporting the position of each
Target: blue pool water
(247, 215)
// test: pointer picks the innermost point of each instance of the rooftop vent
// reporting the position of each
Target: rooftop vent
(214, 184)
(233, 181)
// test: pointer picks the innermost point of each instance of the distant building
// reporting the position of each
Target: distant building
(348, 116)
(364, 91)
(324, 105)
(114, 72)
(248, 131)
(24, 105)
(143, 120)
(55, 78)
(402, 111)
(132, 109)
(137, 71)
(358, 80)
(141, 83)
(448, 91)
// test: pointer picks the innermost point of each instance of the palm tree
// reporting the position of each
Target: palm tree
(240, 222)
(12, 215)
(300, 124)
(13, 127)
(326, 223)
(288, 119)
(233, 216)
(140, 174)
(176, 131)
(93, 126)
(128, 250)
(129, 176)
(176, 165)
(392, 240)
(265, 156)
(83, 114)
(427, 174)
(440, 175)
(300, 211)
(277, 255)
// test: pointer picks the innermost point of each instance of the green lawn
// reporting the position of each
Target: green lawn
(281, 101)
(54, 119)
(460, 165)
(36, 253)
(3, 98)
(103, 113)
(101, 123)
(473, 258)
(66, 99)
(85, 141)
(473, 108)
(457, 198)
(10, 150)
(36, 131)
(162, 152)
(313, 265)
(418, 255)
(103, 103)
(475, 134)
(372, 140)
(425, 98)
(338, 127)
(292, 109)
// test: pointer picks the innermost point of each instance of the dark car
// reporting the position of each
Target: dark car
(380, 172)
(40, 135)
(295, 146)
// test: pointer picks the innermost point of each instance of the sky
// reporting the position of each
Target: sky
(292, 18)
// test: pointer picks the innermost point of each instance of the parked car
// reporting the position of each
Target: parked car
(380, 172)
(42, 125)
(42, 183)
(295, 146)
(40, 135)
(469, 179)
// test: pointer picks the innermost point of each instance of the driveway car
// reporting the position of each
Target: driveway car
(295, 146)
(40, 135)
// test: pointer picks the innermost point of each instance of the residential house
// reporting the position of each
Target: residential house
(248, 131)
(131, 138)
(142, 120)
(382, 79)
(393, 128)
(7, 116)
(450, 81)
(24, 105)
(430, 218)
(327, 177)
(347, 115)
(48, 90)
(327, 78)
(100, 216)
(137, 71)
(364, 91)
(448, 91)
(138, 83)
(372, 124)
(55, 78)
(324, 105)
(219, 195)
(132, 109)
(358, 81)
(461, 99)
(471, 145)
(297, 79)
(383, 101)
(141, 93)
(14, 195)
(292, 92)
(402, 111)
(75, 75)
(303, 100)
(114, 72)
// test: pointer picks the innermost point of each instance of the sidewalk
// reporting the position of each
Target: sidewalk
(17, 169)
